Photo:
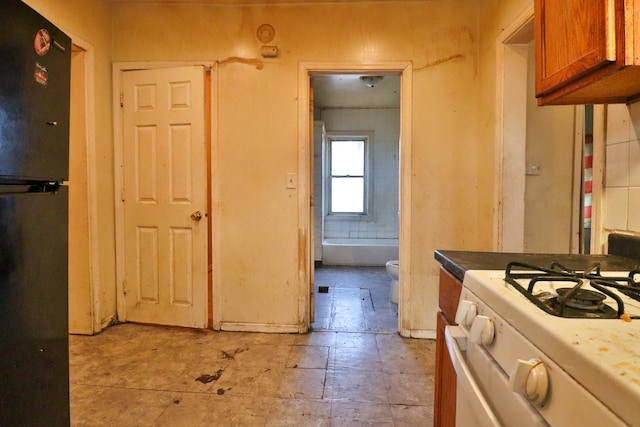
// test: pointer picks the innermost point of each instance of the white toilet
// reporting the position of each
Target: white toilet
(393, 270)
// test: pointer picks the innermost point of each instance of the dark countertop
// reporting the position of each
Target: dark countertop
(457, 262)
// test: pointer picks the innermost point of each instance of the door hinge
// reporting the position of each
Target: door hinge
(122, 194)
(124, 287)
(121, 100)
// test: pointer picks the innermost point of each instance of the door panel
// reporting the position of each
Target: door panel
(573, 39)
(165, 202)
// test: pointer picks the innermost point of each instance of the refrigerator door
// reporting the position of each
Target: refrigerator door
(34, 356)
(34, 96)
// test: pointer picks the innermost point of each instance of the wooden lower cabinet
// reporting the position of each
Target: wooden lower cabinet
(444, 413)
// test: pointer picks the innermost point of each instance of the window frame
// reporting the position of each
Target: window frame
(367, 138)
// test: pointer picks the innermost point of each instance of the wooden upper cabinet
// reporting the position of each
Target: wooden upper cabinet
(587, 51)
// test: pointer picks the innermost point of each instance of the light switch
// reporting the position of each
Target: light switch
(533, 169)
(291, 180)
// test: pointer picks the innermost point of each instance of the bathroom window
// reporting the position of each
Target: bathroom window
(347, 178)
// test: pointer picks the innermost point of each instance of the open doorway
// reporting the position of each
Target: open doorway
(539, 169)
(306, 199)
(356, 187)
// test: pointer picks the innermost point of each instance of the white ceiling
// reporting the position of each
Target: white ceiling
(348, 91)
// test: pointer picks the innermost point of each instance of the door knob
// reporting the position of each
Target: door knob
(196, 216)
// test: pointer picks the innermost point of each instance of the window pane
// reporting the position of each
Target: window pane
(347, 194)
(347, 158)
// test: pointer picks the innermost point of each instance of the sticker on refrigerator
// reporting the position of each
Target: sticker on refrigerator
(41, 74)
(42, 42)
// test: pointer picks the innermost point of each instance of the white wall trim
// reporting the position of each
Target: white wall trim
(598, 233)
(118, 182)
(269, 328)
(216, 201)
(305, 262)
(425, 334)
(405, 281)
(576, 187)
(511, 105)
(92, 181)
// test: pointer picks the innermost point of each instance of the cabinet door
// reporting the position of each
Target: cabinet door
(444, 414)
(573, 37)
(444, 408)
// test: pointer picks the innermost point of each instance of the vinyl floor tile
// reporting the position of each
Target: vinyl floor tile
(308, 356)
(357, 386)
(249, 381)
(212, 410)
(300, 412)
(302, 383)
(350, 412)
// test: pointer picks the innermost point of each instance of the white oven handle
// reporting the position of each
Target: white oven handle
(467, 387)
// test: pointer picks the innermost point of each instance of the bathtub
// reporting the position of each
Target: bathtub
(364, 252)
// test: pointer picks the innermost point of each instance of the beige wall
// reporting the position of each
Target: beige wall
(89, 21)
(257, 113)
(451, 44)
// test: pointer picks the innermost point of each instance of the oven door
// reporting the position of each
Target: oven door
(484, 397)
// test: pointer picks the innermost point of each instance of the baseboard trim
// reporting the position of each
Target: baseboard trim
(106, 322)
(427, 334)
(259, 327)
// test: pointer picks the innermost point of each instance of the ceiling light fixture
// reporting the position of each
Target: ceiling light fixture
(371, 81)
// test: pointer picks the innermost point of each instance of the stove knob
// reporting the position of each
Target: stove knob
(466, 313)
(482, 330)
(530, 379)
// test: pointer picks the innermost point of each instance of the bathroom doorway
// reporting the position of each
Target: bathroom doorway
(356, 188)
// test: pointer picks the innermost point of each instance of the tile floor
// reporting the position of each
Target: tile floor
(138, 375)
(141, 375)
(357, 300)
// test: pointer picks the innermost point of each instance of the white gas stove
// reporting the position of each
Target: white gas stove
(532, 365)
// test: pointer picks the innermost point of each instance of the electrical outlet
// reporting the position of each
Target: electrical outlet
(269, 51)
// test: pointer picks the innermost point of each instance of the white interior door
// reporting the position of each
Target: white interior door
(165, 200)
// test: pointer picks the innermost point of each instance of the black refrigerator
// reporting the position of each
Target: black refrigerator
(35, 66)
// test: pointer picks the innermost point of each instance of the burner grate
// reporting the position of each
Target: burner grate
(574, 301)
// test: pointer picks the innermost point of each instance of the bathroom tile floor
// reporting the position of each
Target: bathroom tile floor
(357, 300)
(141, 375)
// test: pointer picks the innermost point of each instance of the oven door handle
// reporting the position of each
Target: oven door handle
(483, 414)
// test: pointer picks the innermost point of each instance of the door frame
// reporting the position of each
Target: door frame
(511, 132)
(89, 102)
(118, 154)
(305, 147)
(511, 114)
